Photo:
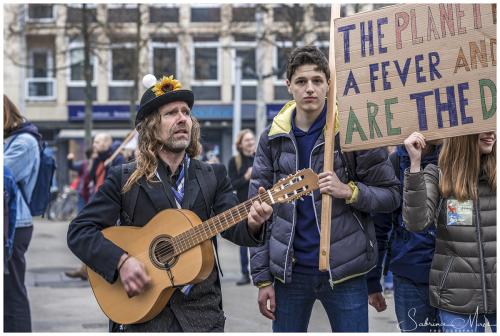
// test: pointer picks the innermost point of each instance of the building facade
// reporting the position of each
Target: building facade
(198, 44)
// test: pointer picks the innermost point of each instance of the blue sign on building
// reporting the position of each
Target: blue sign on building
(273, 109)
(100, 112)
(200, 111)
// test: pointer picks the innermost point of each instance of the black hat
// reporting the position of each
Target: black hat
(164, 91)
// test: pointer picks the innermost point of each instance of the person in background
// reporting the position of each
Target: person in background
(103, 148)
(240, 170)
(83, 169)
(22, 157)
(409, 256)
(459, 198)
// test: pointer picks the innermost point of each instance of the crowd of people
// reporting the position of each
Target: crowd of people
(426, 213)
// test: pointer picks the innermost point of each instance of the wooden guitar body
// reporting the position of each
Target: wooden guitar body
(176, 249)
(149, 244)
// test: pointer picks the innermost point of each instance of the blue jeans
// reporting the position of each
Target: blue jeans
(346, 304)
(453, 322)
(413, 309)
(244, 260)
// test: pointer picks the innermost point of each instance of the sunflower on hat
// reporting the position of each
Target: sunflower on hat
(159, 93)
(166, 84)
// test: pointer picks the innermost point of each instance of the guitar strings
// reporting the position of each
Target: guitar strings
(188, 239)
(180, 242)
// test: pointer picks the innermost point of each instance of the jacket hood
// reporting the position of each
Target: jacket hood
(29, 128)
(282, 122)
(432, 157)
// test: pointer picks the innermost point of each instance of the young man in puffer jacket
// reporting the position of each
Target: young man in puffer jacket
(285, 269)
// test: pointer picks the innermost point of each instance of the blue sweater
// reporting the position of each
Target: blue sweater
(411, 252)
(306, 239)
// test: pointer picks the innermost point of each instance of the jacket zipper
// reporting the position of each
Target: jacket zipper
(363, 229)
(293, 215)
(316, 213)
(446, 273)
(481, 257)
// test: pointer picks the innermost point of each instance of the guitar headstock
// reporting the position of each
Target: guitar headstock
(294, 186)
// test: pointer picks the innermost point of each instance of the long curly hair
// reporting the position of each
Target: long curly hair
(150, 144)
(461, 163)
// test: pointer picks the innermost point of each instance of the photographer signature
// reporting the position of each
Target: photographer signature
(463, 324)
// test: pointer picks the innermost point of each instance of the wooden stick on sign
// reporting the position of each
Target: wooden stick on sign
(326, 200)
(129, 137)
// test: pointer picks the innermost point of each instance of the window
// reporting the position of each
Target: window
(205, 13)
(323, 43)
(206, 62)
(248, 68)
(41, 12)
(243, 13)
(164, 59)
(123, 13)
(163, 13)
(74, 13)
(288, 13)
(322, 13)
(76, 74)
(122, 56)
(282, 53)
(40, 84)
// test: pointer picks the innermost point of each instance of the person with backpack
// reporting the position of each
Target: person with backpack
(166, 175)
(286, 267)
(22, 157)
(240, 170)
(459, 197)
(409, 256)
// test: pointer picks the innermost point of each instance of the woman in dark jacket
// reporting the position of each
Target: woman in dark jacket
(460, 196)
(239, 171)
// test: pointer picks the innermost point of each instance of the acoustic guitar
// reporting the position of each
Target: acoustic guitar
(176, 250)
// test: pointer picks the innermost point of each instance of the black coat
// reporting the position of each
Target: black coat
(240, 184)
(87, 242)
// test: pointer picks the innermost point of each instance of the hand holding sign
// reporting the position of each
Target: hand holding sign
(414, 144)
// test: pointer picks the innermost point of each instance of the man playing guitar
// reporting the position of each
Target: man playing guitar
(165, 175)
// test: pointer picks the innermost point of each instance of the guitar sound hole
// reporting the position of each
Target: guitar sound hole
(162, 252)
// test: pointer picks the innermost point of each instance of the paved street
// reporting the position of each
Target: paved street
(61, 304)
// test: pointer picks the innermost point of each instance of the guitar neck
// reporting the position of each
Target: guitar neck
(217, 224)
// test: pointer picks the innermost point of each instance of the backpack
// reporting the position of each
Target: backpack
(9, 213)
(41, 192)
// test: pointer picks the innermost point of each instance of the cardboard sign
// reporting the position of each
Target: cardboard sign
(417, 67)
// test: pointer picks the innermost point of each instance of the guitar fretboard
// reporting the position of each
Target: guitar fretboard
(215, 225)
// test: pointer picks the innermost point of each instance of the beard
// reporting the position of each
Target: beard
(176, 146)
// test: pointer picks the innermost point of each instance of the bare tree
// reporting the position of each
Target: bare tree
(82, 23)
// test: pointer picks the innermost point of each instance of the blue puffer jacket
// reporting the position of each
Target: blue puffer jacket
(353, 250)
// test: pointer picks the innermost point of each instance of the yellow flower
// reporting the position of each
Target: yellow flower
(166, 84)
